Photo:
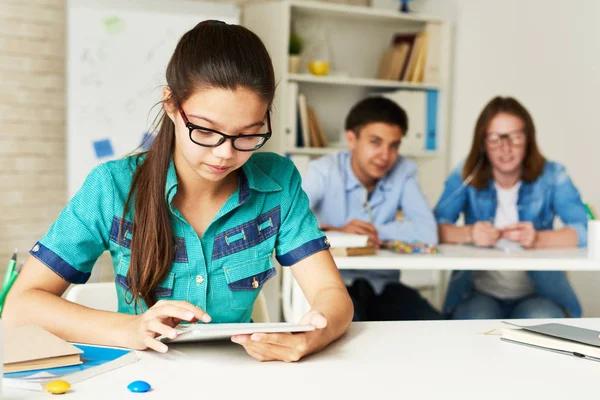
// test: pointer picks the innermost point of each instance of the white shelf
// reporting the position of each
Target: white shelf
(360, 82)
(314, 151)
(331, 10)
(321, 151)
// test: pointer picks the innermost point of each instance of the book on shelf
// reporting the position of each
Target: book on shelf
(431, 70)
(409, 40)
(393, 61)
(318, 138)
(555, 337)
(419, 71)
(312, 126)
(291, 112)
(423, 62)
(411, 66)
(303, 118)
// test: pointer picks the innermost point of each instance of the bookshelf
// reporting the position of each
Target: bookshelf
(360, 82)
(355, 39)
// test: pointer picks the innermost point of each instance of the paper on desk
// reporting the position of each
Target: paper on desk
(508, 245)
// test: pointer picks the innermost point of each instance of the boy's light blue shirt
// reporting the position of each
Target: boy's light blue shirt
(337, 197)
(220, 272)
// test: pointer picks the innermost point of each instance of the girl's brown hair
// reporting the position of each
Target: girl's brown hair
(211, 55)
(478, 164)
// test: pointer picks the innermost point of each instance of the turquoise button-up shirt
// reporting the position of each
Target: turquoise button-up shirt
(220, 272)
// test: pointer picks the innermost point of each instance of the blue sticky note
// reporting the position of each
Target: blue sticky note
(146, 142)
(103, 148)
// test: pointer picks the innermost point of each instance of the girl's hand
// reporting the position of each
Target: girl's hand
(288, 347)
(521, 232)
(160, 319)
(484, 234)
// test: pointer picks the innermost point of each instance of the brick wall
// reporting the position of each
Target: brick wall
(32, 121)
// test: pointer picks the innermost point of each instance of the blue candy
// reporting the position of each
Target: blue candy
(139, 386)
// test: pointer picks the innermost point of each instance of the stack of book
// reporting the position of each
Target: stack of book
(347, 244)
(413, 57)
(33, 357)
(310, 132)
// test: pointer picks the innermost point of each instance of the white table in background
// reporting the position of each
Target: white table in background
(427, 269)
(395, 360)
(455, 257)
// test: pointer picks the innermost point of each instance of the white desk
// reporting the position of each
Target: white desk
(453, 257)
(396, 360)
(426, 269)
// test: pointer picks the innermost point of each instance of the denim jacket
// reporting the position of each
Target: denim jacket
(551, 194)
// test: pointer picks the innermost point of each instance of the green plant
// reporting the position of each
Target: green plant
(296, 44)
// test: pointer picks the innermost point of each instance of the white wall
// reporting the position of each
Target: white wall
(547, 55)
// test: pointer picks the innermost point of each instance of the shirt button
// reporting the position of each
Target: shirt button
(199, 280)
(35, 248)
(327, 242)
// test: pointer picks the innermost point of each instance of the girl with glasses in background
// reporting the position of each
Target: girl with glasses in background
(509, 196)
(192, 223)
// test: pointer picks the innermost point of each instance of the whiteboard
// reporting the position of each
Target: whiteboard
(117, 54)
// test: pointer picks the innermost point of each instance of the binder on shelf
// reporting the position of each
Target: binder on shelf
(422, 110)
(414, 103)
(432, 120)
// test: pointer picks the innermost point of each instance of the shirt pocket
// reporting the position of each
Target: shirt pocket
(245, 280)
(163, 291)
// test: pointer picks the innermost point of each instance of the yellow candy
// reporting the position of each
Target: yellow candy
(58, 387)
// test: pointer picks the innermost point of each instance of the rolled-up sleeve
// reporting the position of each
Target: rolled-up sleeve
(299, 235)
(453, 199)
(569, 207)
(81, 233)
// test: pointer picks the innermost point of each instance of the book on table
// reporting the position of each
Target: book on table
(559, 338)
(34, 357)
(348, 244)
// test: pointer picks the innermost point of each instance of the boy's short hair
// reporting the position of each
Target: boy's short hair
(376, 109)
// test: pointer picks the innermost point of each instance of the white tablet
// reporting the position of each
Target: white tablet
(202, 332)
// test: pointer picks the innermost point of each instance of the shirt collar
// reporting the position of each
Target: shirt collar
(257, 179)
(251, 178)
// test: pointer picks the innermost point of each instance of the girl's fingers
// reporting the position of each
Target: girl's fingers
(197, 312)
(154, 344)
(270, 352)
(256, 355)
(158, 327)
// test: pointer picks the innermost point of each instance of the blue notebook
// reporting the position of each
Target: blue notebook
(95, 360)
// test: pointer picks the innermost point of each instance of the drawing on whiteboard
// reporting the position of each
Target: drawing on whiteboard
(146, 142)
(116, 72)
(103, 148)
(113, 24)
